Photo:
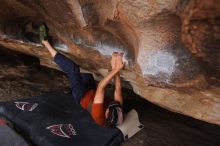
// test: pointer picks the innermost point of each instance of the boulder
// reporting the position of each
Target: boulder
(171, 46)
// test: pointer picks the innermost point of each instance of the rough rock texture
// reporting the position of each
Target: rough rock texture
(171, 46)
(21, 76)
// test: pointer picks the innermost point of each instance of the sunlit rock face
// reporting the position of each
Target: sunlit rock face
(171, 47)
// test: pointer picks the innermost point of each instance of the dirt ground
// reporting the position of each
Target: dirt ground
(22, 76)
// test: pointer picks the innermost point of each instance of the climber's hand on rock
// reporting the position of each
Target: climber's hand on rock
(113, 60)
(119, 64)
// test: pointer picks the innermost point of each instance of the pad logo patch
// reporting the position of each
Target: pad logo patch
(26, 106)
(62, 130)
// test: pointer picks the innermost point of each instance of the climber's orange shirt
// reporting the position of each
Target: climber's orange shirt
(97, 110)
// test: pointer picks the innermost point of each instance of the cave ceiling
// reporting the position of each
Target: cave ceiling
(171, 47)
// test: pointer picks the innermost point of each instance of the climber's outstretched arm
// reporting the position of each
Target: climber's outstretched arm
(100, 91)
(118, 65)
(118, 94)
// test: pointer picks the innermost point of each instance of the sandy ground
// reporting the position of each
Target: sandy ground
(21, 76)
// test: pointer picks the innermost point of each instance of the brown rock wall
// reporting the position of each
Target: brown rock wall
(171, 46)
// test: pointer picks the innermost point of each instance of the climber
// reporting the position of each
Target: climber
(84, 89)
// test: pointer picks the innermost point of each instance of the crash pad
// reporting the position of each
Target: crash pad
(55, 119)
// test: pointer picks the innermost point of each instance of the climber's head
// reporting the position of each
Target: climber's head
(114, 114)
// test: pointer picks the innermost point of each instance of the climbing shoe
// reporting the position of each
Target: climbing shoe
(43, 33)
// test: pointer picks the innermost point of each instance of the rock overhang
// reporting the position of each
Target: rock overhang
(150, 33)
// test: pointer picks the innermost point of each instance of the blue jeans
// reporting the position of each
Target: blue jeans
(80, 82)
